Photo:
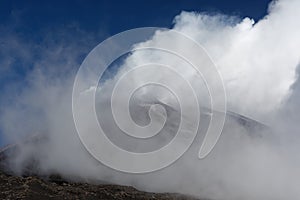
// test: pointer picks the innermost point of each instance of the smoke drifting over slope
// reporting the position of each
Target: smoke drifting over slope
(258, 62)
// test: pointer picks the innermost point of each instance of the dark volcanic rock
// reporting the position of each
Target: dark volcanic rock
(32, 187)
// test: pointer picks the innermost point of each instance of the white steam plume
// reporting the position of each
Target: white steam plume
(258, 62)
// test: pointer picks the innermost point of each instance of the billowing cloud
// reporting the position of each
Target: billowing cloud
(258, 62)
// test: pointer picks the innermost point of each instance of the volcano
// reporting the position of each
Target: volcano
(31, 184)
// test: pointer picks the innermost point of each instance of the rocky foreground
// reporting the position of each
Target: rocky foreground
(32, 187)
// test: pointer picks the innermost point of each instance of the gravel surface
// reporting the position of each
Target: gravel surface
(32, 187)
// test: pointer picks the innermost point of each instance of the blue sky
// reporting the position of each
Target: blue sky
(30, 20)
(115, 16)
